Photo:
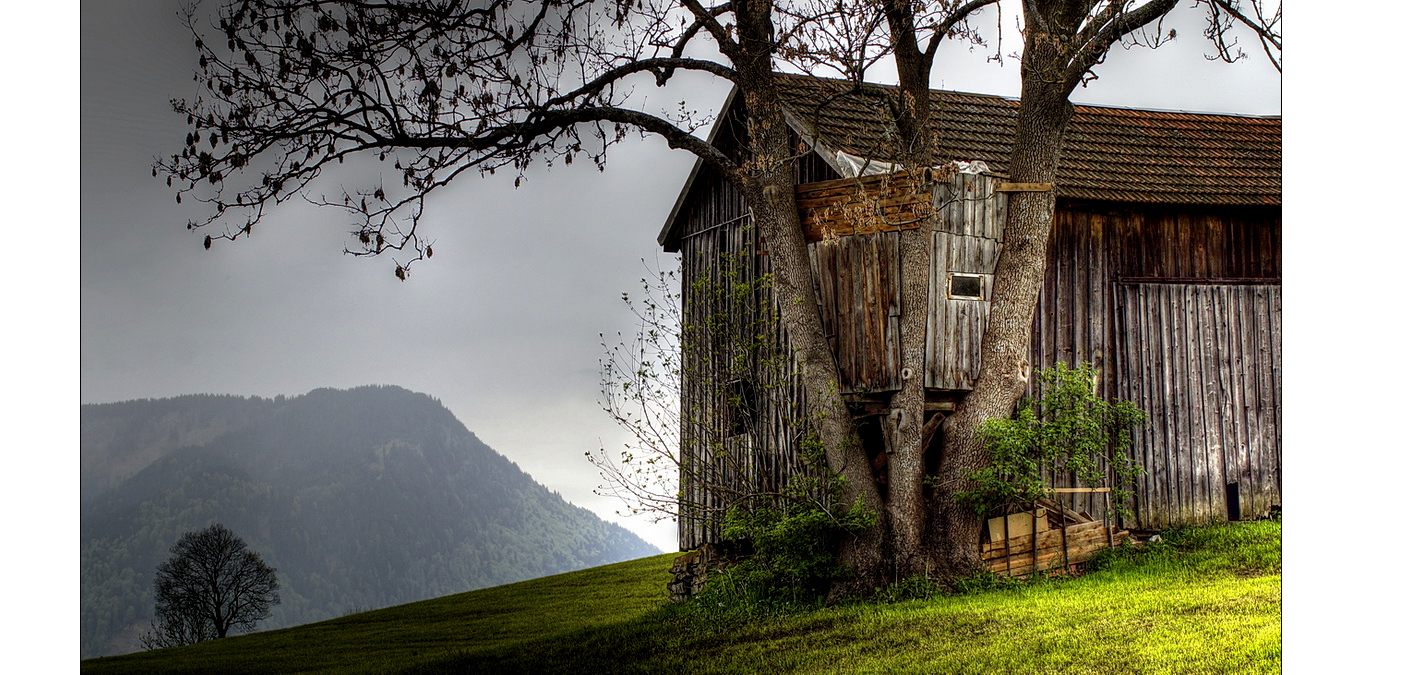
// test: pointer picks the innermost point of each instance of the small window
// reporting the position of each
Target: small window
(965, 286)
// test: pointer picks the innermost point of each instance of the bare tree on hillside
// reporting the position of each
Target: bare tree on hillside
(211, 585)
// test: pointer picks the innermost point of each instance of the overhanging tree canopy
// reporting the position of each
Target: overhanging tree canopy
(434, 89)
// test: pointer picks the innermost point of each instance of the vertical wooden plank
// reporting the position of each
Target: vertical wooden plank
(934, 308)
(1086, 351)
(1183, 245)
(889, 254)
(1077, 242)
(973, 206)
(1192, 412)
(1204, 436)
(1190, 419)
(893, 321)
(1266, 388)
(1216, 411)
(1252, 402)
(1250, 388)
(940, 196)
(1141, 343)
(955, 211)
(865, 297)
(954, 348)
(1270, 386)
(1156, 329)
(1098, 322)
(1277, 335)
(1157, 244)
(845, 308)
(1227, 392)
(1116, 389)
(1131, 382)
(1201, 235)
(1164, 372)
(949, 332)
(856, 330)
(884, 273)
(1200, 412)
(1168, 315)
(860, 328)
(1239, 470)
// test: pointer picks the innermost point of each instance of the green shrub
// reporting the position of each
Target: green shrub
(790, 541)
(1067, 430)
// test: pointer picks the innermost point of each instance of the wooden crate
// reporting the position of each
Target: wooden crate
(1018, 525)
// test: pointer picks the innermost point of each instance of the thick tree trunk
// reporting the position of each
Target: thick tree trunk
(904, 441)
(905, 431)
(906, 499)
(1004, 369)
(769, 185)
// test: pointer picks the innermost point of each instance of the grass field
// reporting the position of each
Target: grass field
(1205, 600)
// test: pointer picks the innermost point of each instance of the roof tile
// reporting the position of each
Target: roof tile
(1118, 154)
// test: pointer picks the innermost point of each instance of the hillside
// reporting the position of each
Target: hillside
(365, 498)
(1201, 601)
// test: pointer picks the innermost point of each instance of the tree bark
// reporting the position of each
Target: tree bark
(1004, 370)
(775, 216)
(768, 182)
(905, 441)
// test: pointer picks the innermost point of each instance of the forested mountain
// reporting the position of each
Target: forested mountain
(361, 499)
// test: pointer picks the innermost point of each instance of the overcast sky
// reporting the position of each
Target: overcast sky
(502, 325)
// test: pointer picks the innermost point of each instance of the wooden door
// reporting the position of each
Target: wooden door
(1204, 362)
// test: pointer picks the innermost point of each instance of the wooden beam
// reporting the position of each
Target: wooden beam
(1208, 281)
(1023, 187)
(927, 431)
(1078, 490)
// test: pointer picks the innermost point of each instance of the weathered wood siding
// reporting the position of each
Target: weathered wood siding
(1108, 299)
(858, 283)
(741, 397)
(853, 225)
(1204, 362)
(1095, 249)
(723, 455)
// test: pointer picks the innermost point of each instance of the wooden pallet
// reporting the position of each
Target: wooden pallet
(1016, 556)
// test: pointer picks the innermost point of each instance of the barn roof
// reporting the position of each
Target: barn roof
(1111, 154)
(1115, 154)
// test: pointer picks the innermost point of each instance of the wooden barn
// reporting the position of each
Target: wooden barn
(1164, 271)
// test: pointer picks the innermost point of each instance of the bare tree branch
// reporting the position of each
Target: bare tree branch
(1223, 15)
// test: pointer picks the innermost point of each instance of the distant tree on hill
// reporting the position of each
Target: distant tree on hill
(210, 585)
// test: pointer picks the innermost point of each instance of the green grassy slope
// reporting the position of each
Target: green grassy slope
(1206, 601)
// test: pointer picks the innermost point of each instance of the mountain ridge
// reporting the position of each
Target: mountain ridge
(361, 498)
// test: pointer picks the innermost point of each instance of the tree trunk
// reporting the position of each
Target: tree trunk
(769, 185)
(906, 499)
(905, 443)
(1004, 369)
